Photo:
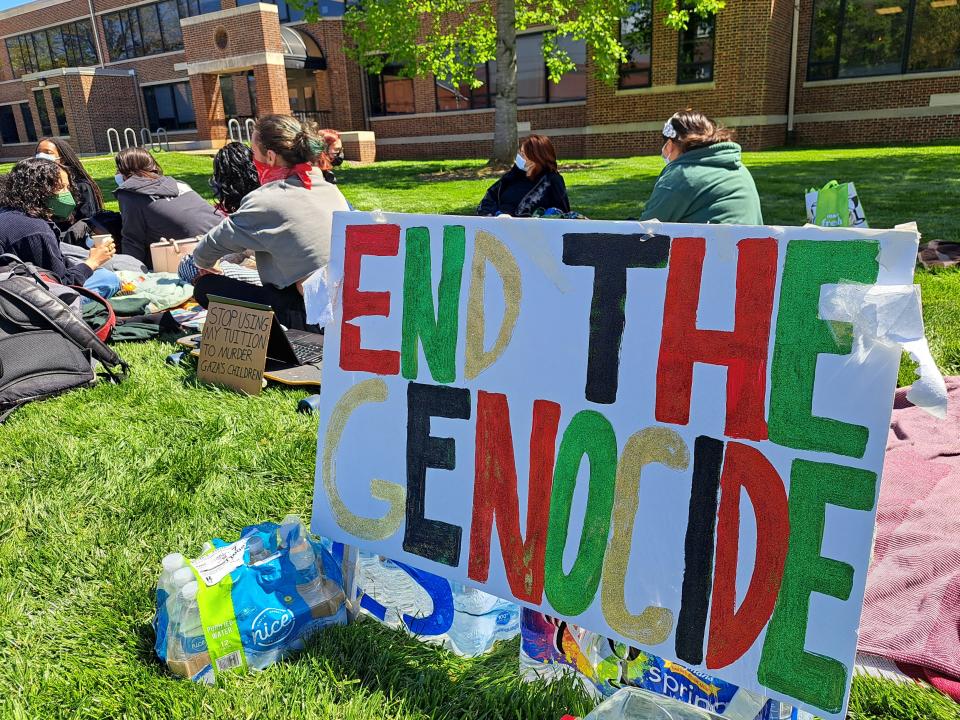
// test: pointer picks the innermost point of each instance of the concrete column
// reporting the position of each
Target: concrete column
(271, 84)
(208, 107)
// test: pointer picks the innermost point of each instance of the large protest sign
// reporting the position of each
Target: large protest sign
(669, 434)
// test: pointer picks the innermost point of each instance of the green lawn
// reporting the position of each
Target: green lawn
(97, 485)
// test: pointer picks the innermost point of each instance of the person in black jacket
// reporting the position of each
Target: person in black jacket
(88, 217)
(32, 197)
(154, 206)
(533, 182)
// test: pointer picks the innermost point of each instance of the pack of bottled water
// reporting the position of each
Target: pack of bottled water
(464, 620)
(244, 605)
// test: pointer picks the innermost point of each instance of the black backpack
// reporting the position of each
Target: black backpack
(45, 347)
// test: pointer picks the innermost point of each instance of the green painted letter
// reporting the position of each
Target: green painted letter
(437, 331)
(785, 666)
(802, 335)
(589, 433)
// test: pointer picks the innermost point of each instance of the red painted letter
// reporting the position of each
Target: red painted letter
(743, 351)
(495, 493)
(383, 240)
(732, 632)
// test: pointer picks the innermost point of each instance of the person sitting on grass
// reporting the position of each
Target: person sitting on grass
(234, 177)
(705, 180)
(286, 222)
(154, 206)
(89, 216)
(33, 196)
(533, 183)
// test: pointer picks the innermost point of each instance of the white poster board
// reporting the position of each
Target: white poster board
(655, 431)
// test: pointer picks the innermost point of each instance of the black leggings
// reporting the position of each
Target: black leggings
(287, 303)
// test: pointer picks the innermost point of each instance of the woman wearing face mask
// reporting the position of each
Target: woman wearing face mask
(32, 197)
(286, 222)
(704, 180)
(85, 192)
(154, 206)
(533, 182)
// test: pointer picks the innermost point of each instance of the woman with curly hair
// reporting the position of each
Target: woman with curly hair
(234, 176)
(32, 197)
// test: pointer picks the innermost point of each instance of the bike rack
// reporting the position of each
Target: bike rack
(127, 132)
(115, 134)
(249, 124)
(146, 139)
(231, 124)
(163, 140)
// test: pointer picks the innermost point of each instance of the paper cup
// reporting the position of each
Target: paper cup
(99, 240)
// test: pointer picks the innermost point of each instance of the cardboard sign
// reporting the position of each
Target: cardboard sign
(233, 349)
(669, 434)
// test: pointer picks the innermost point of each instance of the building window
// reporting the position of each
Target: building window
(150, 29)
(170, 106)
(228, 96)
(695, 59)
(285, 10)
(390, 92)
(41, 102)
(28, 122)
(636, 36)
(69, 45)
(450, 97)
(532, 84)
(8, 126)
(59, 111)
(859, 38)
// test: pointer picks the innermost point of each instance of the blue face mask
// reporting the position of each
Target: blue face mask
(45, 156)
(520, 162)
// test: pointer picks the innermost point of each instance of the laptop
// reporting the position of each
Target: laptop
(289, 347)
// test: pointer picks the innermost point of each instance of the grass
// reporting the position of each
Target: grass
(97, 485)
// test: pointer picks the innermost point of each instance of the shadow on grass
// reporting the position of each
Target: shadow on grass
(438, 683)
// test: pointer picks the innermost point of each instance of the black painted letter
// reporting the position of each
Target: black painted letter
(610, 255)
(431, 539)
(698, 549)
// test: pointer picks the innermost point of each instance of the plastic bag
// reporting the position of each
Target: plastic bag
(464, 620)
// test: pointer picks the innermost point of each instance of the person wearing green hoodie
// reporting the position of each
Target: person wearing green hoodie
(704, 180)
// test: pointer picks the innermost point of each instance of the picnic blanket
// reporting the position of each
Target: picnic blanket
(911, 611)
(938, 254)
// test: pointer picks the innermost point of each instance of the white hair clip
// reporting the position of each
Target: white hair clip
(669, 131)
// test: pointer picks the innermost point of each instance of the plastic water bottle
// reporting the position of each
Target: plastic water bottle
(480, 619)
(170, 564)
(631, 703)
(188, 654)
(291, 532)
(323, 596)
(257, 550)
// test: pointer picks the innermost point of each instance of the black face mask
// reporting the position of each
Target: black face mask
(337, 159)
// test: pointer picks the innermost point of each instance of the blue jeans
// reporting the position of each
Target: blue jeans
(103, 282)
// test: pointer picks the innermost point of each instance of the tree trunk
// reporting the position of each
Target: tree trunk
(505, 117)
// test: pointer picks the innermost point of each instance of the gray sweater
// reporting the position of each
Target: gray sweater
(287, 226)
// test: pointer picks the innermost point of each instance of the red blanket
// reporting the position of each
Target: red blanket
(911, 612)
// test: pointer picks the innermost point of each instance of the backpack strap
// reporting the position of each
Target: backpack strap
(103, 332)
(55, 310)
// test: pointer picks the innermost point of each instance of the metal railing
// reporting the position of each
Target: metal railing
(322, 117)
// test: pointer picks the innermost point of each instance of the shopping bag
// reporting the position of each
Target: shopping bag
(835, 205)
(167, 254)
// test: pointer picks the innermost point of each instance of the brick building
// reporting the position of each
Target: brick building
(813, 72)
